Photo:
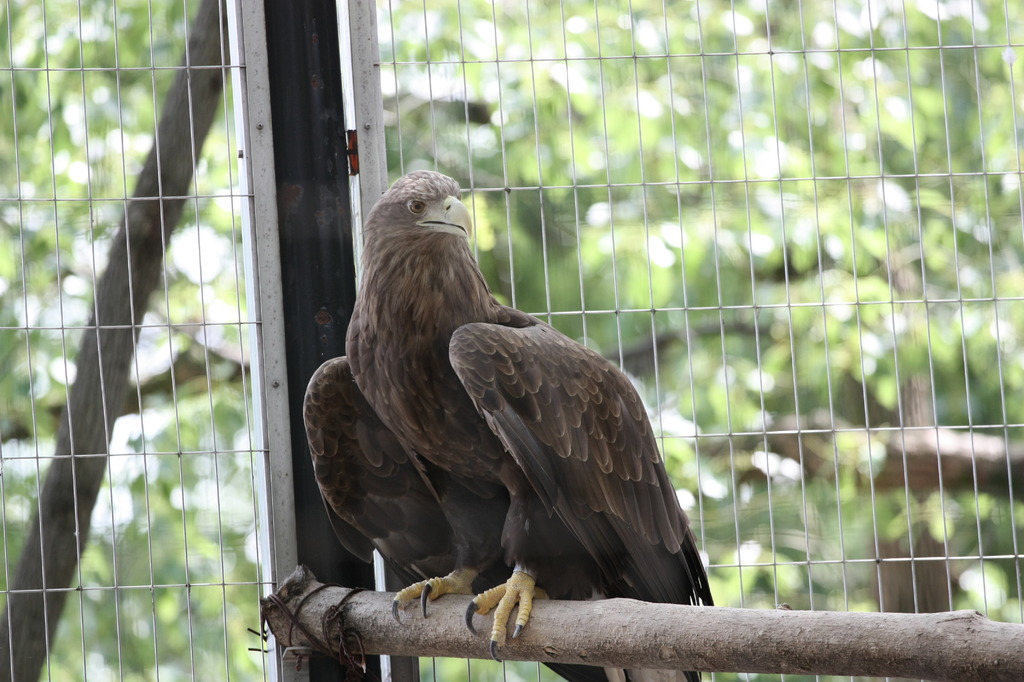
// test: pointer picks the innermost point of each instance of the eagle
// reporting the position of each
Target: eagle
(480, 450)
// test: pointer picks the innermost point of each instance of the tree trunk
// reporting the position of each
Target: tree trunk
(58, 532)
(913, 585)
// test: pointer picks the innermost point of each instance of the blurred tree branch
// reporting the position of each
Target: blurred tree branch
(914, 457)
(222, 358)
(59, 530)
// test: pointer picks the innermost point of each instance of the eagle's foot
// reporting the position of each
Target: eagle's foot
(459, 581)
(520, 589)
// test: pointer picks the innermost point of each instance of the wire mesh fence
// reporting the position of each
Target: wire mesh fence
(106, 107)
(797, 226)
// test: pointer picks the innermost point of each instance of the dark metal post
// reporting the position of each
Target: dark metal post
(317, 259)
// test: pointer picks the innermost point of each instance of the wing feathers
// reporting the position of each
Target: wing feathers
(374, 493)
(578, 430)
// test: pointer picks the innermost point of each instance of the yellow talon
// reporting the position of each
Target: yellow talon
(459, 581)
(521, 589)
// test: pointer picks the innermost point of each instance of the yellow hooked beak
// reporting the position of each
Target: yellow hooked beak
(450, 215)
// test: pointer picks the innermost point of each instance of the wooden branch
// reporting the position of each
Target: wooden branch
(307, 616)
(58, 532)
(969, 460)
(966, 459)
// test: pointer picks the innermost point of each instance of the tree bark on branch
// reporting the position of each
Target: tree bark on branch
(59, 530)
(308, 617)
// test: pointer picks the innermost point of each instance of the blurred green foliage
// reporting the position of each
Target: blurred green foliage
(168, 584)
(811, 207)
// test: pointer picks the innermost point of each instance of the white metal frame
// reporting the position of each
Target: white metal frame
(357, 22)
(364, 111)
(277, 538)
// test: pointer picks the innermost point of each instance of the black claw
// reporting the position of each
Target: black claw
(424, 596)
(515, 633)
(394, 610)
(469, 617)
(494, 650)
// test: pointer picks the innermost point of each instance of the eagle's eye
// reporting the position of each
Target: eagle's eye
(417, 206)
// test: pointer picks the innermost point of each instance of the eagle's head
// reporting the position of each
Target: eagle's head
(417, 202)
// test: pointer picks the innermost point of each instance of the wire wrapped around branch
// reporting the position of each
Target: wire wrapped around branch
(349, 646)
(623, 633)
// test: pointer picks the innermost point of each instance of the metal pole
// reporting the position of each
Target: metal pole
(317, 259)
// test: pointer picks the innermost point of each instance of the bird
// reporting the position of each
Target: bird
(480, 450)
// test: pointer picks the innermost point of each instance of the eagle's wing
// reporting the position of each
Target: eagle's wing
(374, 494)
(578, 429)
(376, 497)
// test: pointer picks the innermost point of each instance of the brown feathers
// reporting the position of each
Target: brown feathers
(532, 448)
